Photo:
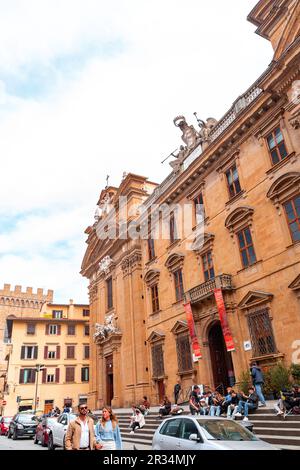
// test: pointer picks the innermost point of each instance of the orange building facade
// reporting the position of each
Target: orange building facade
(199, 304)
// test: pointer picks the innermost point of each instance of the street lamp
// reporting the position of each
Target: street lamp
(38, 367)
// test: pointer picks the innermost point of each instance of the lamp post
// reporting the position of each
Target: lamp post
(38, 367)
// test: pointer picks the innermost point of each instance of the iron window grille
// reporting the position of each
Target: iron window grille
(261, 333)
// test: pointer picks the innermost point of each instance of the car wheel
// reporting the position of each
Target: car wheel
(50, 443)
(15, 436)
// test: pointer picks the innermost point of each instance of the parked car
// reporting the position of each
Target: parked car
(205, 433)
(43, 429)
(4, 423)
(22, 425)
(56, 437)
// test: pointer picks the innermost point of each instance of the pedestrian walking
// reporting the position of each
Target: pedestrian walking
(80, 434)
(258, 380)
(177, 389)
(108, 433)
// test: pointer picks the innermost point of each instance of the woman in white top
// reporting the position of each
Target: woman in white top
(138, 421)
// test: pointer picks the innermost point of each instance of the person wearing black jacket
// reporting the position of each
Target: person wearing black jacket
(251, 403)
(177, 388)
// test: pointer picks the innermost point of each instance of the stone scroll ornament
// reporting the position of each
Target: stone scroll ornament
(105, 264)
(103, 331)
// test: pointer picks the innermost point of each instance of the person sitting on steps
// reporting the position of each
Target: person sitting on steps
(251, 403)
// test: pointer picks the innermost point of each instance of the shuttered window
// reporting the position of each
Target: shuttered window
(70, 352)
(27, 376)
(71, 330)
(184, 356)
(31, 328)
(70, 374)
(179, 291)
(29, 352)
(261, 333)
(86, 352)
(157, 360)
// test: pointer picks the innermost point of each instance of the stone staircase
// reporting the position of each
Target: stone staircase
(282, 432)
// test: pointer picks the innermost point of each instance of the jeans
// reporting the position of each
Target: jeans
(194, 411)
(232, 409)
(246, 406)
(260, 394)
(215, 410)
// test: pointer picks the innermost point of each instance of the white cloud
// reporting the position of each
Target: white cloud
(115, 112)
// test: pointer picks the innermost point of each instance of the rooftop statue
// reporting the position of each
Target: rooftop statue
(189, 134)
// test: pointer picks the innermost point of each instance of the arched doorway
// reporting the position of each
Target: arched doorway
(221, 361)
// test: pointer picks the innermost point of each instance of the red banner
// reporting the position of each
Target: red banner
(223, 318)
(191, 324)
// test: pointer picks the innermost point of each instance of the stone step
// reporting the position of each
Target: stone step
(138, 435)
(277, 431)
(149, 431)
(273, 417)
(278, 440)
(277, 424)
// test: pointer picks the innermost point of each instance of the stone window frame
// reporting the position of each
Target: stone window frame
(295, 286)
(157, 338)
(174, 263)
(253, 302)
(283, 189)
(198, 190)
(238, 220)
(275, 120)
(151, 279)
(181, 329)
(229, 160)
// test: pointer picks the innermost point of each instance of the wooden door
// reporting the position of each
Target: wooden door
(221, 360)
(109, 379)
(161, 390)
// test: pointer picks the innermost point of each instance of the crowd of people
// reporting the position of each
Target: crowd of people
(82, 434)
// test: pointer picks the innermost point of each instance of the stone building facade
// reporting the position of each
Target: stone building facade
(244, 171)
(19, 304)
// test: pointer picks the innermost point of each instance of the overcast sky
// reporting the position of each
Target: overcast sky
(90, 88)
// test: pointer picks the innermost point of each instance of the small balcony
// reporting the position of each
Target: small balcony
(206, 289)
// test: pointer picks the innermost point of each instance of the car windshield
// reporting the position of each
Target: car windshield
(225, 430)
(26, 419)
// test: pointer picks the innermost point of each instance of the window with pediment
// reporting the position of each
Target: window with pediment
(256, 305)
(285, 194)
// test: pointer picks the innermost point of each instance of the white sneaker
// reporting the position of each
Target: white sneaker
(131, 432)
(238, 414)
(245, 419)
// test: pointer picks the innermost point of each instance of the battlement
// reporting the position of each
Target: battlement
(8, 293)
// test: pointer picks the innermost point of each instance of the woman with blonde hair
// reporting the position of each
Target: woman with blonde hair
(107, 430)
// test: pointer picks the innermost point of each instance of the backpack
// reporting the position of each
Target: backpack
(296, 410)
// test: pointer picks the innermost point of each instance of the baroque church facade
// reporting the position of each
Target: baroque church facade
(198, 306)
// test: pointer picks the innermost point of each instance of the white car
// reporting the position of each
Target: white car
(205, 433)
(59, 429)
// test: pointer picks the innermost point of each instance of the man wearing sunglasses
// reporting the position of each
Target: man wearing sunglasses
(80, 433)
